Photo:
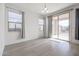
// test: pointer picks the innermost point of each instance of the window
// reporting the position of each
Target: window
(14, 20)
(41, 24)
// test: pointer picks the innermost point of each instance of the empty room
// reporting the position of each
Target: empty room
(39, 29)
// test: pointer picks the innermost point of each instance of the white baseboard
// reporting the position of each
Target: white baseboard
(18, 41)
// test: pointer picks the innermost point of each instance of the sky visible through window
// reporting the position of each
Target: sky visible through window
(14, 17)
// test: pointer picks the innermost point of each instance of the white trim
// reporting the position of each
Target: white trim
(19, 41)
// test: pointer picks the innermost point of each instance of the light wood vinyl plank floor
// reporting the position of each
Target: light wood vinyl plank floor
(42, 47)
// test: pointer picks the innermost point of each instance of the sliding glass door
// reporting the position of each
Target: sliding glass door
(64, 27)
(60, 27)
(55, 27)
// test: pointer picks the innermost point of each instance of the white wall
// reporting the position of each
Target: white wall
(31, 26)
(72, 24)
(2, 28)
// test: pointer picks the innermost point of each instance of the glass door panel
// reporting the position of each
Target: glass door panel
(64, 27)
(55, 27)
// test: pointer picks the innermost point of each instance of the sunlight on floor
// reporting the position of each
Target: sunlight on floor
(62, 36)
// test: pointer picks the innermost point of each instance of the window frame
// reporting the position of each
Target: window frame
(15, 29)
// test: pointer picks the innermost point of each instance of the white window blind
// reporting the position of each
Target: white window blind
(14, 19)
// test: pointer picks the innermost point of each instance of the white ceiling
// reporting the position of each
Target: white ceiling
(38, 7)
